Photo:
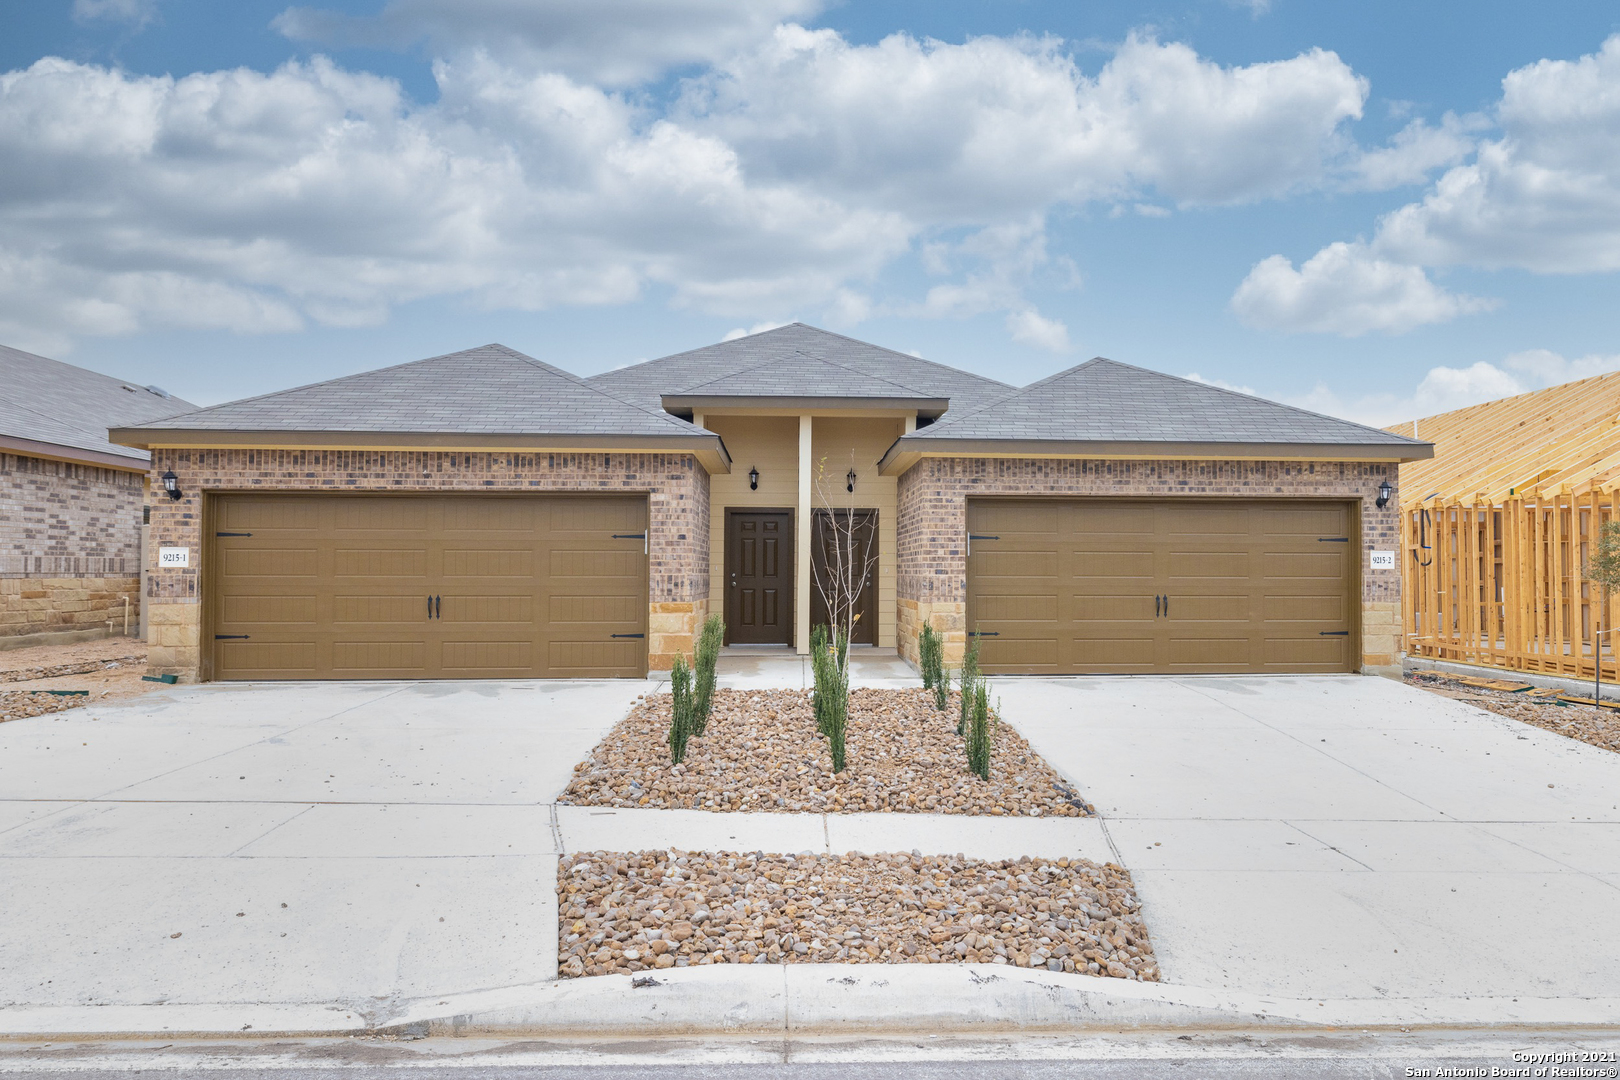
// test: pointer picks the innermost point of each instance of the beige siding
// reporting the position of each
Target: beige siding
(839, 443)
(770, 444)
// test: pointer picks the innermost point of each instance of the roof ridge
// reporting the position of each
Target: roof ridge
(1018, 392)
(661, 415)
(866, 374)
(1511, 397)
(897, 352)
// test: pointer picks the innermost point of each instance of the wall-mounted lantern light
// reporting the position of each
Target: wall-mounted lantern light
(850, 487)
(171, 484)
(753, 479)
(1384, 492)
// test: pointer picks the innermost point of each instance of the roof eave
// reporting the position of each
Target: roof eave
(909, 450)
(75, 454)
(923, 406)
(707, 448)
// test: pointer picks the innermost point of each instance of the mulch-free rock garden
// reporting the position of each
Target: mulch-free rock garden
(624, 913)
(761, 751)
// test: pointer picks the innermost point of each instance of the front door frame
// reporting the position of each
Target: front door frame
(788, 557)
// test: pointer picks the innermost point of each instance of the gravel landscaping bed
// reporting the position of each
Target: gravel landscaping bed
(1583, 722)
(622, 913)
(109, 668)
(762, 752)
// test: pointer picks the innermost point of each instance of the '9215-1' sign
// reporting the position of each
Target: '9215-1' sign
(171, 557)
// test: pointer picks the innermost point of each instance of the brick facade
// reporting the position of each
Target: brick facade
(676, 485)
(933, 525)
(69, 547)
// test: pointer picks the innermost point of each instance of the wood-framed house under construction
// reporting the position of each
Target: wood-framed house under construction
(1497, 528)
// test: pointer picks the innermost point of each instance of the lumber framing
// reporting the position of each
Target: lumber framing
(1497, 528)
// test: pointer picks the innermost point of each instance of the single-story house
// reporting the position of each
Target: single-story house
(70, 500)
(486, 514)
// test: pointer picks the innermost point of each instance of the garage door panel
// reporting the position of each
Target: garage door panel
(269, 659)
(1186, 566)
(593, 659)
(1036, 606)
(379, 563)
(1111, 566)
(1019, 652)
(368, 608)
(340, 588)
(1118, 651)
(596, 609)
(1314, 565)
(407, 516)
(1209, 653)
(246, 607)
(487, 562)
(1307, 523)
(1305, 653)
(357, 659)
(1330, 608)
(1164, 585)
(1019, 564)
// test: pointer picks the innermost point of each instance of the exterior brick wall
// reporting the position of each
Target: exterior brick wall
(676, 485)
(69, 546)
(933, 525)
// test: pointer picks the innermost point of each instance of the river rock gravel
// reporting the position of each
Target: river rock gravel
(761, 751)
(1600, 727)
(622, 913)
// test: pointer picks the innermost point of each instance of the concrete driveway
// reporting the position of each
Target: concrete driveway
(1346, 838)
(343, 843)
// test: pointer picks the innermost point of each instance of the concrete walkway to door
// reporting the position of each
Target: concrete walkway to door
(1346, 838)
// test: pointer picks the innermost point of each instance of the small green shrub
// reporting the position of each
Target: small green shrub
(829, 654)
(979, 737)
(969, 681)
(942, 689)
(682, 720)
(931, 656)
(704, 660)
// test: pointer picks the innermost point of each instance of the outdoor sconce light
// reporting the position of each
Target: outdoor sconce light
(850, 487)
(171, 484)
(753, 479)
(1384, 492)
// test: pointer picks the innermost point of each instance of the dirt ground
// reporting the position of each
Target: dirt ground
(1600, 727)
(110, 668)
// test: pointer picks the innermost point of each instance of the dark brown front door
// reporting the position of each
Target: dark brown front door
(859, 554)
(759, 577)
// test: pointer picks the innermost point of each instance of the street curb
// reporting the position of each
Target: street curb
(809, 1000)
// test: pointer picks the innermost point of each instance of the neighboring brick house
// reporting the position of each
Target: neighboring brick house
(484, 514)
(70, 500)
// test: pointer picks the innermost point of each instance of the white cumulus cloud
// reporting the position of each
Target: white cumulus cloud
(1345, 289)
(615, 42)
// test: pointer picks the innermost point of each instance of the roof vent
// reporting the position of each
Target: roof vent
(158, 390)
(131, 389)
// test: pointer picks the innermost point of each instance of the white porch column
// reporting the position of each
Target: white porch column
(801, 542)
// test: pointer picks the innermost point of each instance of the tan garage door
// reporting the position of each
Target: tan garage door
(428, 587)
(1121, 586)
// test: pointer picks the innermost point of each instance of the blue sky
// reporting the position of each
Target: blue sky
(1374, 209)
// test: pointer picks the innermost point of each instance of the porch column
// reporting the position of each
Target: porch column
(801, 542)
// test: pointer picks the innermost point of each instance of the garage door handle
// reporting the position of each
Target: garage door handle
(438, 608)
(627, 635)
(230, 637)
(1158, 605)
(1167, 604)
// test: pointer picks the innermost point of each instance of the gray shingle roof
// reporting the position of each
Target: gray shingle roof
(1106, 401)
(47, 401)
(488, 390)
(798, 361)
